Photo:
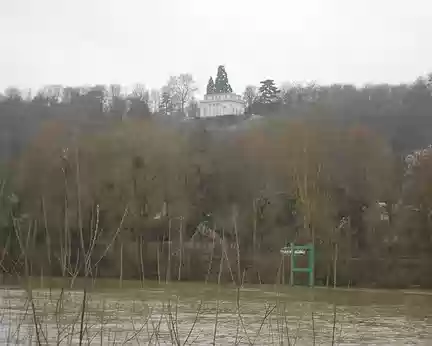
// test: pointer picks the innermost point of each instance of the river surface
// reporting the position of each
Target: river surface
(204, 314)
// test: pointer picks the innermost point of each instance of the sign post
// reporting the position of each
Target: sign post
(300, 250)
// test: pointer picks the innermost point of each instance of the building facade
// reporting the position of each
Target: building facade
(221, 104)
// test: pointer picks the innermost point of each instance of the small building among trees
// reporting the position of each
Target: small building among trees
(220, 99)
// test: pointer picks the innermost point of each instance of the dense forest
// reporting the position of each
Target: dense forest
(90, 192)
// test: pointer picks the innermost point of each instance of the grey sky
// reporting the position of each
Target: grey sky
(106, 41)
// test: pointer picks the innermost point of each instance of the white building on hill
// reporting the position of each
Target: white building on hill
(221, 104)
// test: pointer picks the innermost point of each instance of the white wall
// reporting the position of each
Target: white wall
(221, 104)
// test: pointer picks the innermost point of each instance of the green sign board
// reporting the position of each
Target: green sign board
(300, 250)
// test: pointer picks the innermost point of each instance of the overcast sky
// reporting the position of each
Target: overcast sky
(128, 41)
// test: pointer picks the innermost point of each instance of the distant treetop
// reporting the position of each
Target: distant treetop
(268, 91)
(221, 84)
(211, 88)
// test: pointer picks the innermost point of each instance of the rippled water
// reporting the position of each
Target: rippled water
(203, 314)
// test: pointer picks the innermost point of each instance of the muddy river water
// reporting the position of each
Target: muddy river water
(204, 314)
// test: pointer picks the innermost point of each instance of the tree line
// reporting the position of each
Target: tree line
(326, 165)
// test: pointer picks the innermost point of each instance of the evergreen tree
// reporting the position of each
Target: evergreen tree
(222, 85)
(268, 92)
(166, 106)
(211, 88)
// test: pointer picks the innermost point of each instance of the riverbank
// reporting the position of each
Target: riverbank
(108, 284)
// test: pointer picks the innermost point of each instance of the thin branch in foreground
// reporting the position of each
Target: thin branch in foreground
(334, 324)
(267, 314)
(194, 323)
(240, 316)
(82, 317)
(216, 322)
(115, 235)
(313, 329)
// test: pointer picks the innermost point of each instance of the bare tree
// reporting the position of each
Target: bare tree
(115, 90)
(429, 81)
(53, 93)
(139, 91)
(28, 95)
(40, 96)
(13, 93)
(249, 96)
(154, 100)
(193, 109)
(181, 89)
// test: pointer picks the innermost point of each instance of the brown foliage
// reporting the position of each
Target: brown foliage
(286, 180)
